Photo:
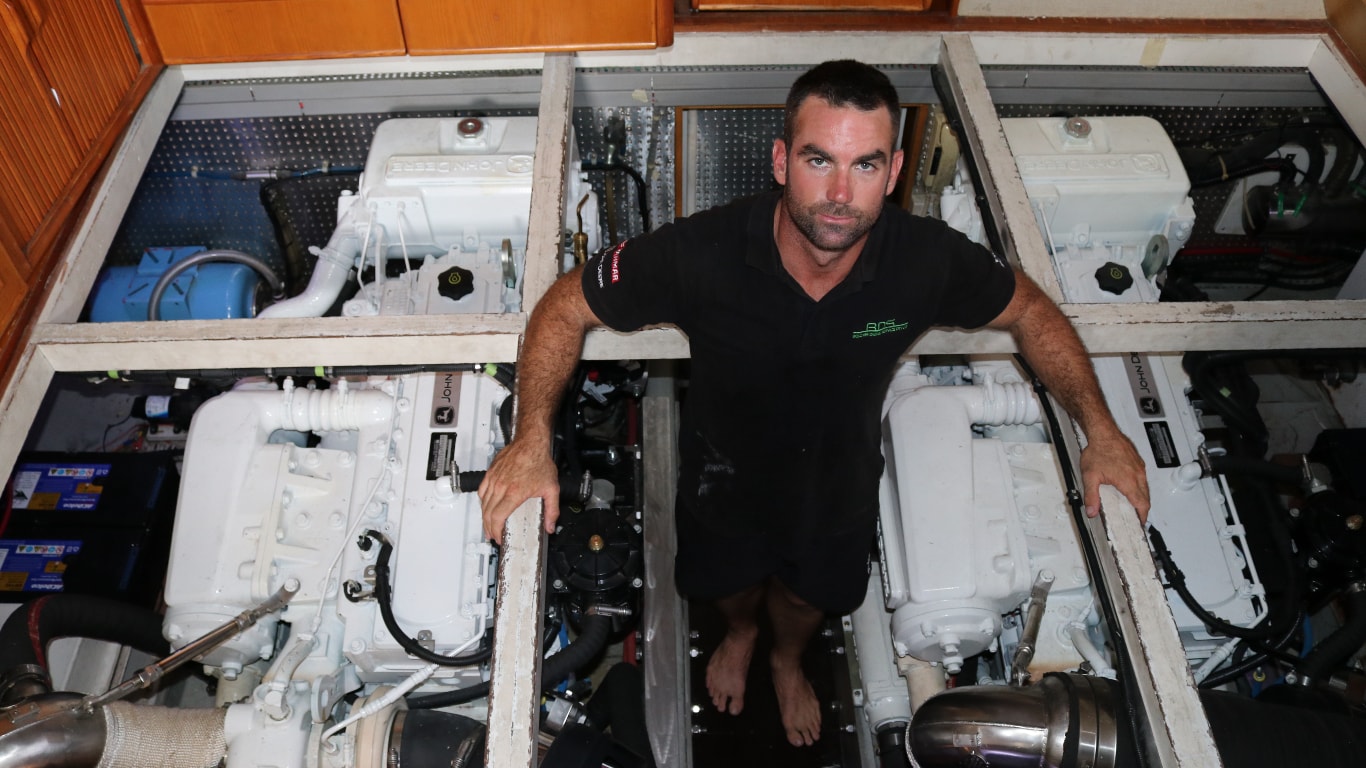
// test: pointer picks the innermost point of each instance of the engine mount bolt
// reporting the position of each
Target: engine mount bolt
(693, 652)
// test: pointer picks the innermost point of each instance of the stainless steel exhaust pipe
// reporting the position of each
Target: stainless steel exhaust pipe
(1064, 720)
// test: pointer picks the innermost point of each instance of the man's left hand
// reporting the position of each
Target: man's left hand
(1114, 461)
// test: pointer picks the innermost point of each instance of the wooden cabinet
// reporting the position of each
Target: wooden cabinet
(72, 77)
(254, 30)
(440, 26)
(810, 5)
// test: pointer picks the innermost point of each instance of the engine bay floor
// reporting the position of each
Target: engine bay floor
(755, 736)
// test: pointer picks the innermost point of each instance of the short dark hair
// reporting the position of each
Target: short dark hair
(843, 83)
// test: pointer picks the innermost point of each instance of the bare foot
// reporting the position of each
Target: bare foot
(728, 668)
(797, 702)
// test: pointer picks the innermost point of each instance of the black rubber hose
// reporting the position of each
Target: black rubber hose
(590, 642)
(436, 738)
(891, 746)
(1243, 666)
(1333, 651)
(469, 481)
(618, 704)
(384, 596)
(642, 196)
(1234, 465)
(27, 632)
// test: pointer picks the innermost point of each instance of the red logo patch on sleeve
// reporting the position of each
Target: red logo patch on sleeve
(616, 261)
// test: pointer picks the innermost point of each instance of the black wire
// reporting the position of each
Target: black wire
(384, 596)
(642, 196)
(1177, 581)
(1243, 667)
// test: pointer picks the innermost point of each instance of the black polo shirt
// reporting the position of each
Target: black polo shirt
(781, 427)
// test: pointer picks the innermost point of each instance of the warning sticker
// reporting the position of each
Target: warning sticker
(34, 565)
(58, 486)
(1160, 438)
(440, 455)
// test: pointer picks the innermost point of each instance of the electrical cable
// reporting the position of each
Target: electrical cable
(1177, 580)
(1244, 666)
(384, 597)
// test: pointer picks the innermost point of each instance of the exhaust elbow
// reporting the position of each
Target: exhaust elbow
(1063, 720)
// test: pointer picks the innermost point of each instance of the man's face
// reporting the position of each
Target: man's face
(836, 173)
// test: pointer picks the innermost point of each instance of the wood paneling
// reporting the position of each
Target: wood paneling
(1348, 18)
(40, 153)
(249, 30)
(72, 79)
(441, 26)
(810, 5)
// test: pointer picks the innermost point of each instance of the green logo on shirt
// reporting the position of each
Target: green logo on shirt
(877, 329)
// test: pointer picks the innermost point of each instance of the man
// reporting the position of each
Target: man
(797, 307)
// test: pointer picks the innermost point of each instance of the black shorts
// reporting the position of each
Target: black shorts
(830, 573)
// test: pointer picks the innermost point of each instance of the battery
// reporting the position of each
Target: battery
(88, 523)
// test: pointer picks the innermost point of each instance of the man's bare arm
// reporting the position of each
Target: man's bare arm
(550, 351)
(1051, 346)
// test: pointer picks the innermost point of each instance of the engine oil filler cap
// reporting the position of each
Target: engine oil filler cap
(455, 283)
(1114, 278)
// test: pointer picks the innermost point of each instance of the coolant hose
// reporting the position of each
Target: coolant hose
(277, 288)
(426, 737)
(27, 632)
(591, 640)
(1230, 465)
(891, 746)
(1334, 650)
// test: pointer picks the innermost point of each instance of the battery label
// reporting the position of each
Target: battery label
(1160, 438)
(62, 487)
(440, 455)
(1146, 399)
(34, 565)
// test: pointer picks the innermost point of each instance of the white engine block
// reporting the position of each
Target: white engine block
(279, 483)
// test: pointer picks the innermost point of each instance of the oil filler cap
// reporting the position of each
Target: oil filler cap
(455, 283)
(1114, 278)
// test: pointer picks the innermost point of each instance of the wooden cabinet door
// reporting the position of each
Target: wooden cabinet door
(810, 5)
(442, 26)
(72, 79)
(40, 152)
(256, 30)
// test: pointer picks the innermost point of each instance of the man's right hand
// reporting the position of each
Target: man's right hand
(523, 470)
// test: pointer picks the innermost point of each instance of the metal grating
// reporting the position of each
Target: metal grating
(193, 193)
(649, 150)
(730, 154)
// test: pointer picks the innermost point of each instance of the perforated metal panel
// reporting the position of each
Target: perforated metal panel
(193, 192)
(729, 154)
(649, 150)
